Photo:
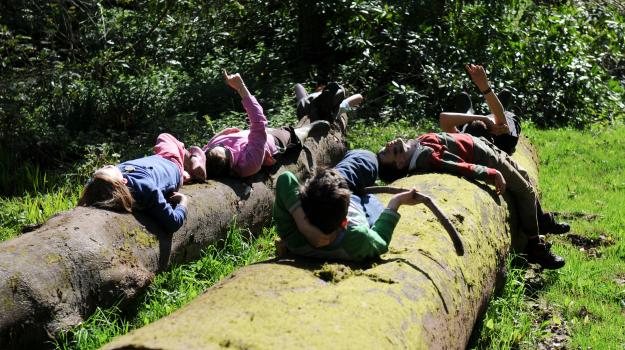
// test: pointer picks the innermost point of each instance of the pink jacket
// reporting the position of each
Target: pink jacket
(251, 149)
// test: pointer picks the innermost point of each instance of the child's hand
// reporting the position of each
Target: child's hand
(478, 75)
(500, 183)
(500, 129)
(178, 199)
(234, 81)
(411, 197)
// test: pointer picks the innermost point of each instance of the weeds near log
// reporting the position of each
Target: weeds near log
(172, 289)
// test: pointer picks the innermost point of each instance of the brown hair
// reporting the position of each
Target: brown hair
(216, 165)
(325, 199)
(104, 192)
(388, 172)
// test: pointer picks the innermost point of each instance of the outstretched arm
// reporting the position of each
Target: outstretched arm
(236, 82)
(449, 121)
(478, 75)
(252, 156)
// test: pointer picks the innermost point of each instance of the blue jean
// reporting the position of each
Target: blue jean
(360, 169)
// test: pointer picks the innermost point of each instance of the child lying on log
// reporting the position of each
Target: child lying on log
(478, 159)
(149, 184)
(329, 218)
(242, 153)
(501, 128)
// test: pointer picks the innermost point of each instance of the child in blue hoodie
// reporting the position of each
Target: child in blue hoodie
(149, 184)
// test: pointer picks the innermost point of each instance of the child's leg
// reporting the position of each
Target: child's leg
(300, 92)
(171, 149)
(517, 183)
(373, 208)
(359, 168)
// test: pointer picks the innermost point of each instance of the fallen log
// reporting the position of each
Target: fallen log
(55, 277)
(419, 295)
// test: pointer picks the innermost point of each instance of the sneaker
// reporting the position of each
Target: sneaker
(506, 98)
(548, 224)
(539, 252)
(314, 129)
(461, 103)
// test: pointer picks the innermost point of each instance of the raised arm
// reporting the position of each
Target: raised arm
(449, 121)
(236, 82)
(252, 154)
(478, 75)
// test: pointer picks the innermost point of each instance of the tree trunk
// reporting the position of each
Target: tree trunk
(419, 295)
(53, 278)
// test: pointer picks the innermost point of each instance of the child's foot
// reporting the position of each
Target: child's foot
(550, 225)
(281, 248)
(314, 129)
(539, 252)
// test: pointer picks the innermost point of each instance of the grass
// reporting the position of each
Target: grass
(18, 212)
(171, 290)
(582, 175)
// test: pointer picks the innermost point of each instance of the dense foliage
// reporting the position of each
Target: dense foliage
(85, 72)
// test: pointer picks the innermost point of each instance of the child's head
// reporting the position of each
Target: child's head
(393, 160)
(477, 128)
(107, 190)
(325, 200)
(217, 161)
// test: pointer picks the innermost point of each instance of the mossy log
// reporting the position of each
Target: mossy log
(419, 295)
(55, 277)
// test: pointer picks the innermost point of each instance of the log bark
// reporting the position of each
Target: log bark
(53, 278)
(419, 295)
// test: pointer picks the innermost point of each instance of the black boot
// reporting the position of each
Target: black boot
(548, 224)
(539, 252)
(314, 129)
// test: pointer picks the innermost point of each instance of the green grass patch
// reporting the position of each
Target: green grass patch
(581, 177)
(16, 213)
(172, 289)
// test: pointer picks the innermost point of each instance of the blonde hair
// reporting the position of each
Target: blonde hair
(103, 191)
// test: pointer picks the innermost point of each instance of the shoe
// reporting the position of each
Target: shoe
(548, 224)
(461, 103)
(325, 105)
(539, 252)
(314, 129)
(506, 98)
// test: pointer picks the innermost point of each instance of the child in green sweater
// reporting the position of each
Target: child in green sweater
(329, 218)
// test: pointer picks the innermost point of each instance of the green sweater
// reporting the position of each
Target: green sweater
(356, 242)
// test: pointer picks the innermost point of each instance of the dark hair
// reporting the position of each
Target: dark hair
(389, 172)
(478, 128)
(325, 199)
(215, 165)
(102, 191)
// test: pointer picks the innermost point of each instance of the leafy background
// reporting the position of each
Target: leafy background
(80, 79)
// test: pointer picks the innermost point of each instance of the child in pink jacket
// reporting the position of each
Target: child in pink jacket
(242, 153)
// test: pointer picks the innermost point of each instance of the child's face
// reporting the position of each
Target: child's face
(112, 171)
(395, 152)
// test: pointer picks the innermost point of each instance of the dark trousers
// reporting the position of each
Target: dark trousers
(360, 169)
(284, 136)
